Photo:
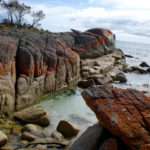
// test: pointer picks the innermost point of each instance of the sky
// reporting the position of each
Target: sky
(128, 19)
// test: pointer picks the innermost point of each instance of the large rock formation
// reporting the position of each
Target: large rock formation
(34, 62)
(124, 112)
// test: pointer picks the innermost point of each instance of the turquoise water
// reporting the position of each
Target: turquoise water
(71, 106)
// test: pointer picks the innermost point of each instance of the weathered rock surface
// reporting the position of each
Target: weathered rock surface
(86, 83)
(3, 139)
(129, 56)
(28, 136)
(143, 68)
(33, 114)
(49, 143)
(33, 62)
(124, 112)
(33, 129)
(89, 140)
(144, 64)
(138, 69)
(67, 129)
(94, 42)
(103, 69)
(57, 135)
(110, 144)
(120, 77)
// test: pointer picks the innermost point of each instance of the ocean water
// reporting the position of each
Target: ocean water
(71, 106)
(140, 52)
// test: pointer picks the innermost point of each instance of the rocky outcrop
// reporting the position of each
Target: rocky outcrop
(67, 129)
(110, 144)
(3, 138)
(94, 42)
(120, 77)
(33, 114)
(89, 140)
(34, 62)
(123, 112)
(8, 48)
(103, 69)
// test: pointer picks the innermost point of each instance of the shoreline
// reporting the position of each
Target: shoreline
(62, 121)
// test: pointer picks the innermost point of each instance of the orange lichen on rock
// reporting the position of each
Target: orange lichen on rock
(124, 112)
(34, 62)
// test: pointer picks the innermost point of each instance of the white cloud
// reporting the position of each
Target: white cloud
(134, 4)
(62, 18)
(125, 17)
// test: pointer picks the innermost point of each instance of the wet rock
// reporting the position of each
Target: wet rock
(50, 142)
(138, 69)
(28, 136)
(129, 56)
(57, 135)
(7, 147)
(41, 147)
(148, 70)
(24, 142)
(85, 83)
(34, 115)
(123, 112)
(33, 129)
(89, 140)
(67, 129)
(144, 64)
(110, 144)
(3, 139)
(121, 77)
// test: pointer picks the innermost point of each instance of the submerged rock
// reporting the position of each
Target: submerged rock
(123, 112)
(34, 115)
(3, 139)
(67, 129)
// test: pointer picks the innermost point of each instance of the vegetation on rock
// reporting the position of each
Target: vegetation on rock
(17, 11)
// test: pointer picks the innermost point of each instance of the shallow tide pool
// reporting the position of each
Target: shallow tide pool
(69, 106)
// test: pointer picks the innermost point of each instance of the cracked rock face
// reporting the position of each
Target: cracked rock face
(124, 112)
(33, 62)
(8, 48)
